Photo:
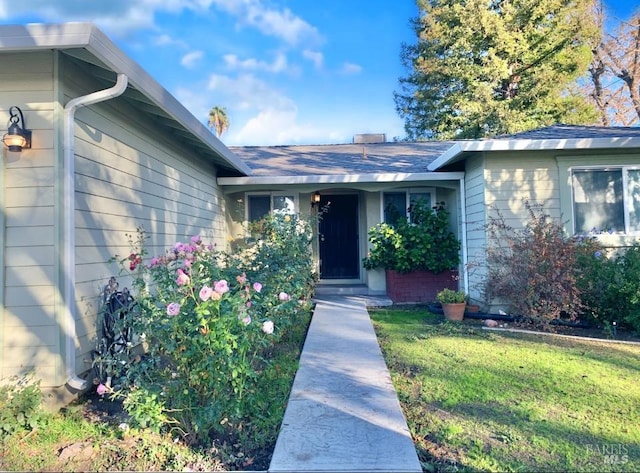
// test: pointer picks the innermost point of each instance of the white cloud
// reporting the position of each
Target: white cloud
(121, 17)
(103, 13)
(316, 57)
(247, 91)
(190, 59)
(167, 40)
(258, 113)
(350, 68)
(283, 24)
(279, 63)
(118, 17)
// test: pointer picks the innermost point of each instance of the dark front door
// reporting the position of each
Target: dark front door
(339, 256)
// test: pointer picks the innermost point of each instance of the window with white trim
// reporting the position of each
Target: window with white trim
(606, 200)
(260, 205)
(397, 204)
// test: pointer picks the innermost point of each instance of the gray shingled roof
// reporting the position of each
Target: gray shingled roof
(405, 157)
(401, 157)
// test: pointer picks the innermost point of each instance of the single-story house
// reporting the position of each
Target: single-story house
(111, 150)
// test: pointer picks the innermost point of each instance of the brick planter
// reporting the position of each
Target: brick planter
(418, 287)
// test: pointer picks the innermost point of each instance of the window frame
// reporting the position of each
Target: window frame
(626, 204)
(407, 192)
(271, 194)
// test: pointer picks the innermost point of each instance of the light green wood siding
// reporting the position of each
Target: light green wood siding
(128, 174)
(511, 177)
(29, 333)
(476, 219)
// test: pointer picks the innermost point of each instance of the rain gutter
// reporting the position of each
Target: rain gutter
(69, 240)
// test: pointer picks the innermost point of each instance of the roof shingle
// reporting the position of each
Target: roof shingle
(401, 157)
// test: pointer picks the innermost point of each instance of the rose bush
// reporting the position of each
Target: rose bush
(209, 320)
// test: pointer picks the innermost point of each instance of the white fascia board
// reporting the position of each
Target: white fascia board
(44, 36)
(445, 157)
(550, 144)
(88, 36)
(340, 178)
(532, 145)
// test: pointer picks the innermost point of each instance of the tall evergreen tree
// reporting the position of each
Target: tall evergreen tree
(488, 67)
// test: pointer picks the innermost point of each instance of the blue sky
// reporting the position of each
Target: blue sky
(287, 71)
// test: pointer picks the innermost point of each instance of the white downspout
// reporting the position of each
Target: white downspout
(463, 217)
(69, 239)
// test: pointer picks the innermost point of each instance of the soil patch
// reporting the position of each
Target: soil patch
(227, 454)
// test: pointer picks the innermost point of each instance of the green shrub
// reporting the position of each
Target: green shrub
(598, 280)
(449, 296)
(424, 242)
(609, 285)
(628, 301)
(20, 405)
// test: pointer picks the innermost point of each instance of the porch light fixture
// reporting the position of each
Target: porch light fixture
(315, 199)
(17, 137)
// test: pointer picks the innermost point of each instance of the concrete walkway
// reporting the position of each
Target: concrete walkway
(343, 413)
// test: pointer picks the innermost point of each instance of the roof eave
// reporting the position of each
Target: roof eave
(376, 178)
(88, 36)
(458, 149)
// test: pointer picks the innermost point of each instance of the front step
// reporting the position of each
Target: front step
(344, 290)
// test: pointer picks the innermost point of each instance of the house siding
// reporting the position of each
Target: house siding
(29, 333)
(476, 219)
(511, 178)
(128, 175)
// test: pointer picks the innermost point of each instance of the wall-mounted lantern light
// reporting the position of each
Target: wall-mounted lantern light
(17, 137)
(315, 199)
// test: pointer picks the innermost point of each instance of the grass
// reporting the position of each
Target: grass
(484, 401)
(79, 438)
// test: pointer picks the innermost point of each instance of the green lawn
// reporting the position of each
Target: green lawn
(487, 401)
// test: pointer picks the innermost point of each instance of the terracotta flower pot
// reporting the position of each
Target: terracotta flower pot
(454, 311)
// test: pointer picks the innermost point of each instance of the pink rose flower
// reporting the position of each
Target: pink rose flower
(283, 296)
(249, 304)
(241, 278)
(173, 309)
(101, 389)
(205, 293)
(246, 320)
(182, 279)
(257, 286)
(267, 327)
(195, 239)
(155, 261)
(221, 286)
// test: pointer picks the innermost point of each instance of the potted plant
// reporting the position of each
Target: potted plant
(453, 303)
(412, 250)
